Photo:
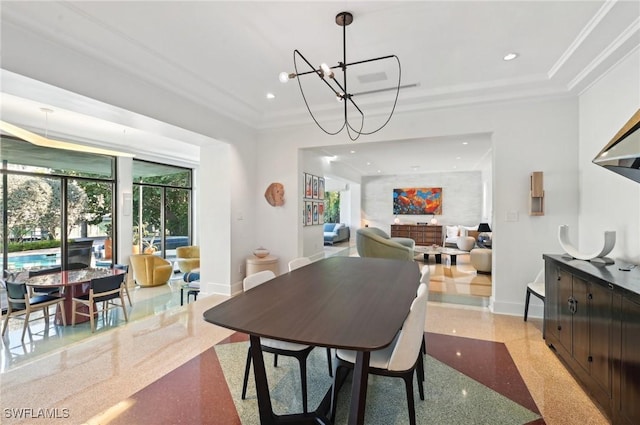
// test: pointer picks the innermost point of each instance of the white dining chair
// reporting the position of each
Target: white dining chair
(537, 289)
(400, 359)
(296, 263)
(425, 277)
(299, 351)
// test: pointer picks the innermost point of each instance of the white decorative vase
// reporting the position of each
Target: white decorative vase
(261, 252)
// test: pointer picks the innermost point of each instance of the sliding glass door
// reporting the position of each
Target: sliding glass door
(162, 199)
(57, 208)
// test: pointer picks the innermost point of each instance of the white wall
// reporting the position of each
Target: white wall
(526, 136)
(609, 201)
(461, 198)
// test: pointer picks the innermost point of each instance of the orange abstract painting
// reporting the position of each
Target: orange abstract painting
(421, 201)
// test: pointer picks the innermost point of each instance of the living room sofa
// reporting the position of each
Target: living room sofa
(336, 232)
(454, 233)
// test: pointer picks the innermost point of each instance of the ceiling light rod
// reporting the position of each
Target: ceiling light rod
(326, 74)
(340, 65)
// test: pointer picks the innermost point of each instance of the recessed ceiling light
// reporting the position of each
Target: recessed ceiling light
(352, 151)
(379, 171)
(465, 143)
(457, 157)
(271, 96)
(415, 167)
(368, 163)
(510, 56)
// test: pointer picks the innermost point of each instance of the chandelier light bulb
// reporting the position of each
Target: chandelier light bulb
(326, 70)
(284, 77)
(340, 97)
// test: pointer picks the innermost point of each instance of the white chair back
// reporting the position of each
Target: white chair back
(410, 337)
(256, 279)
(540, 277)
(296, 263)
(425, 277)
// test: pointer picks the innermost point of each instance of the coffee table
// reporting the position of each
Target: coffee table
(438, 252)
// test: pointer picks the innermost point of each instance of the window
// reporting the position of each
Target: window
(52, 202)
(162, 199)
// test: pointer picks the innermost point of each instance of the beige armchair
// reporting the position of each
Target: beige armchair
(373, 242)
(150, 270)
(188, 258)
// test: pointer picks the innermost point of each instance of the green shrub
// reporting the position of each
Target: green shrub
(31, 245)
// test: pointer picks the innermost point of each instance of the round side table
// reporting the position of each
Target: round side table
(255, 264)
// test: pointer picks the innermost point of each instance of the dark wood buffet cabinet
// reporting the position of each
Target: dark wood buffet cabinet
(592, 322)
(422, 234)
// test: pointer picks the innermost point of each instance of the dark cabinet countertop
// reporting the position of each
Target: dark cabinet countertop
(628, 281)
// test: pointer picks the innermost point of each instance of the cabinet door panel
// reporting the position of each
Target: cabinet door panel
(581, 323)
(552, 300)
(630, 362)
(565, 316)
(600, 338)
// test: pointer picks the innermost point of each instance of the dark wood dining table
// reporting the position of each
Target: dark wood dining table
(72, 283)
(342, 302)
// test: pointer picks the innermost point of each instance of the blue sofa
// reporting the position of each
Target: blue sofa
(335, 232)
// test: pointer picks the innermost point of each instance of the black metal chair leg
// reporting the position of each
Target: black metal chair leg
(526, 304)
(335, 388)
(408, 383)
(420, 377)
(329, 361)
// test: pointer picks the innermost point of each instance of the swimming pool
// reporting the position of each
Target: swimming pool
(20, 262)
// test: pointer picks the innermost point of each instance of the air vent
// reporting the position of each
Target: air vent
(372, 78)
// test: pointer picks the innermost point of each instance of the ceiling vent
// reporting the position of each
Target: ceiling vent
(373, 77)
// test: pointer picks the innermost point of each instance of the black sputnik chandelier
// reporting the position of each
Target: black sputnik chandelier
(340, 89)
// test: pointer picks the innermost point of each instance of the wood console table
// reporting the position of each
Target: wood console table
(592, 322)
(422, 234)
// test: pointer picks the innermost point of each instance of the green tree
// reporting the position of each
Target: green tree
(49, 222)
(98, 201)
(28, 201)
(332, 207)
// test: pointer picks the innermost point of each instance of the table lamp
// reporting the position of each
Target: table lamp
(483, 237)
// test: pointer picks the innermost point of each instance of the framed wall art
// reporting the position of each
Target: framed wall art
(417, 201)
(308, 207)
(312, 199)
(308, 185)
(315, 213)
(315, 187)
(320, 187)
(320, 212)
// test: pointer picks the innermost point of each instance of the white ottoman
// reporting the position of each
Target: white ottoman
(481, 260)
(466, 243)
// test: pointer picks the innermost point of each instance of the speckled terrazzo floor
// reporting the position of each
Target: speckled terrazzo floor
(165, 369)
(451, 397)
